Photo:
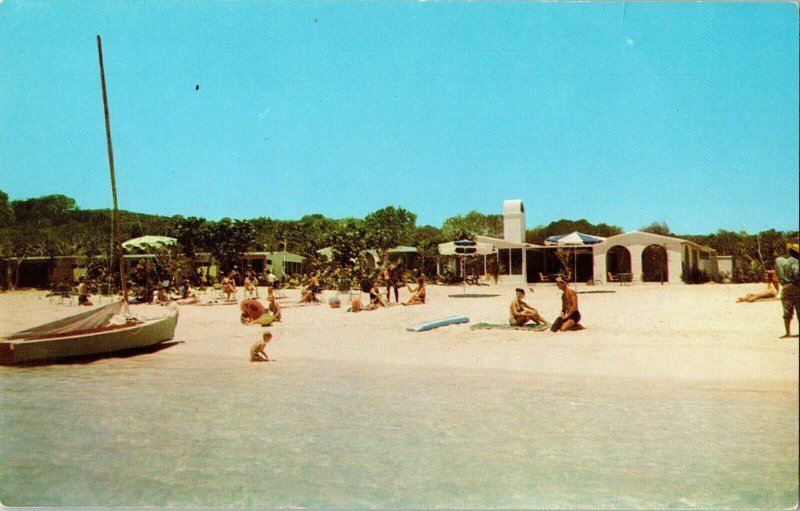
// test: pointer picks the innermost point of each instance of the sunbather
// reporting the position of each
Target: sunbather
(521, 312)
(83, 293)
(773, 287)
(229, 286)
(309, 294)
(570, 316)
(274, 308)
(160, 295)
(375, 297)
(250, 286)
(418, 294)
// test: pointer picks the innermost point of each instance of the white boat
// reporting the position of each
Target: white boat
(99, 331)
(103, 330)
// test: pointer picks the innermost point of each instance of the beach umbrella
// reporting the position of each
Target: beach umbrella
(574, 240)
(149, 242)
(450, 248)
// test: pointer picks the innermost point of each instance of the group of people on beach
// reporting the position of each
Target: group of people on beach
(521, 313)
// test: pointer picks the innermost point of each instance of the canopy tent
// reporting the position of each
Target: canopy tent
(149, 242)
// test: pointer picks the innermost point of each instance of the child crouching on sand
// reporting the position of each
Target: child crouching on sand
(257, 353)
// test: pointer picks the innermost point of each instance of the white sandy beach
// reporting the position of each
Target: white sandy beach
(644, 331)
(673, 397)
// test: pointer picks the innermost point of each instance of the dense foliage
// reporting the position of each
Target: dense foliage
(54, 225)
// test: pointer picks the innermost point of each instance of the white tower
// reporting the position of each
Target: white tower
(514, 221)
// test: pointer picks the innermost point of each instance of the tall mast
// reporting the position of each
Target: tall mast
(117, 222)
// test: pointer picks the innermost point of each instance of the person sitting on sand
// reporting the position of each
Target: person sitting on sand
(187, 297)
(229, 286)
(309, 294)
(773, 287)
(521, 312)
(253, 311)
(375, 297)
(160, 295)
(274, 308)
(570, 316)
(418, 294)
(83, 292)
(257, 353)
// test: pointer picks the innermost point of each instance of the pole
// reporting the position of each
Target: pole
(122, 276)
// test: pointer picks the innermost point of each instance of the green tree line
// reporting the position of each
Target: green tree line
(54, 225)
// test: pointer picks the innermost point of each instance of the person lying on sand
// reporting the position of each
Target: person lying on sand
(521, 312)
(570, 316)
(773, 287)
(257, 353)
(418, 294)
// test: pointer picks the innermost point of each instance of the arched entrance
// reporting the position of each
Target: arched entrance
(654, 264)
(618, 260)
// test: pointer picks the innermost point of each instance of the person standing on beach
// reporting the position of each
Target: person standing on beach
(390, 279)
(521, 312)
(788, 271)
(570, 316)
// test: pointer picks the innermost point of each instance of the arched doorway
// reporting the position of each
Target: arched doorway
(654, 264)
(618, 260)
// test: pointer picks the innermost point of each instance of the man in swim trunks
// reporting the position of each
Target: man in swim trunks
(788, 271)
(521, 312)
(569, 308)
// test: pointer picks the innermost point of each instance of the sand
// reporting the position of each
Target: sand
(645, 331)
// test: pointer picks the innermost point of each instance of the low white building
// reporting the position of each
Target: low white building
(646, 256)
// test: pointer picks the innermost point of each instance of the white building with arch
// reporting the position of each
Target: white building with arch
(639, 253)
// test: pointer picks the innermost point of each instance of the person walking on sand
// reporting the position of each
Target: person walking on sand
(570, 316)
(787, 270)
(521, 312)
(257, 353)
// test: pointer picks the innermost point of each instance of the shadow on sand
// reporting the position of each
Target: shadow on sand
(88, 359)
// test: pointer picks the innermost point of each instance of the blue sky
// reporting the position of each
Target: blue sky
(618, 113)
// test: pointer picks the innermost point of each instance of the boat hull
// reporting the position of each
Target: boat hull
(142, 335)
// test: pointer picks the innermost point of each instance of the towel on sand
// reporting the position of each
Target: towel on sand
(532, 327)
